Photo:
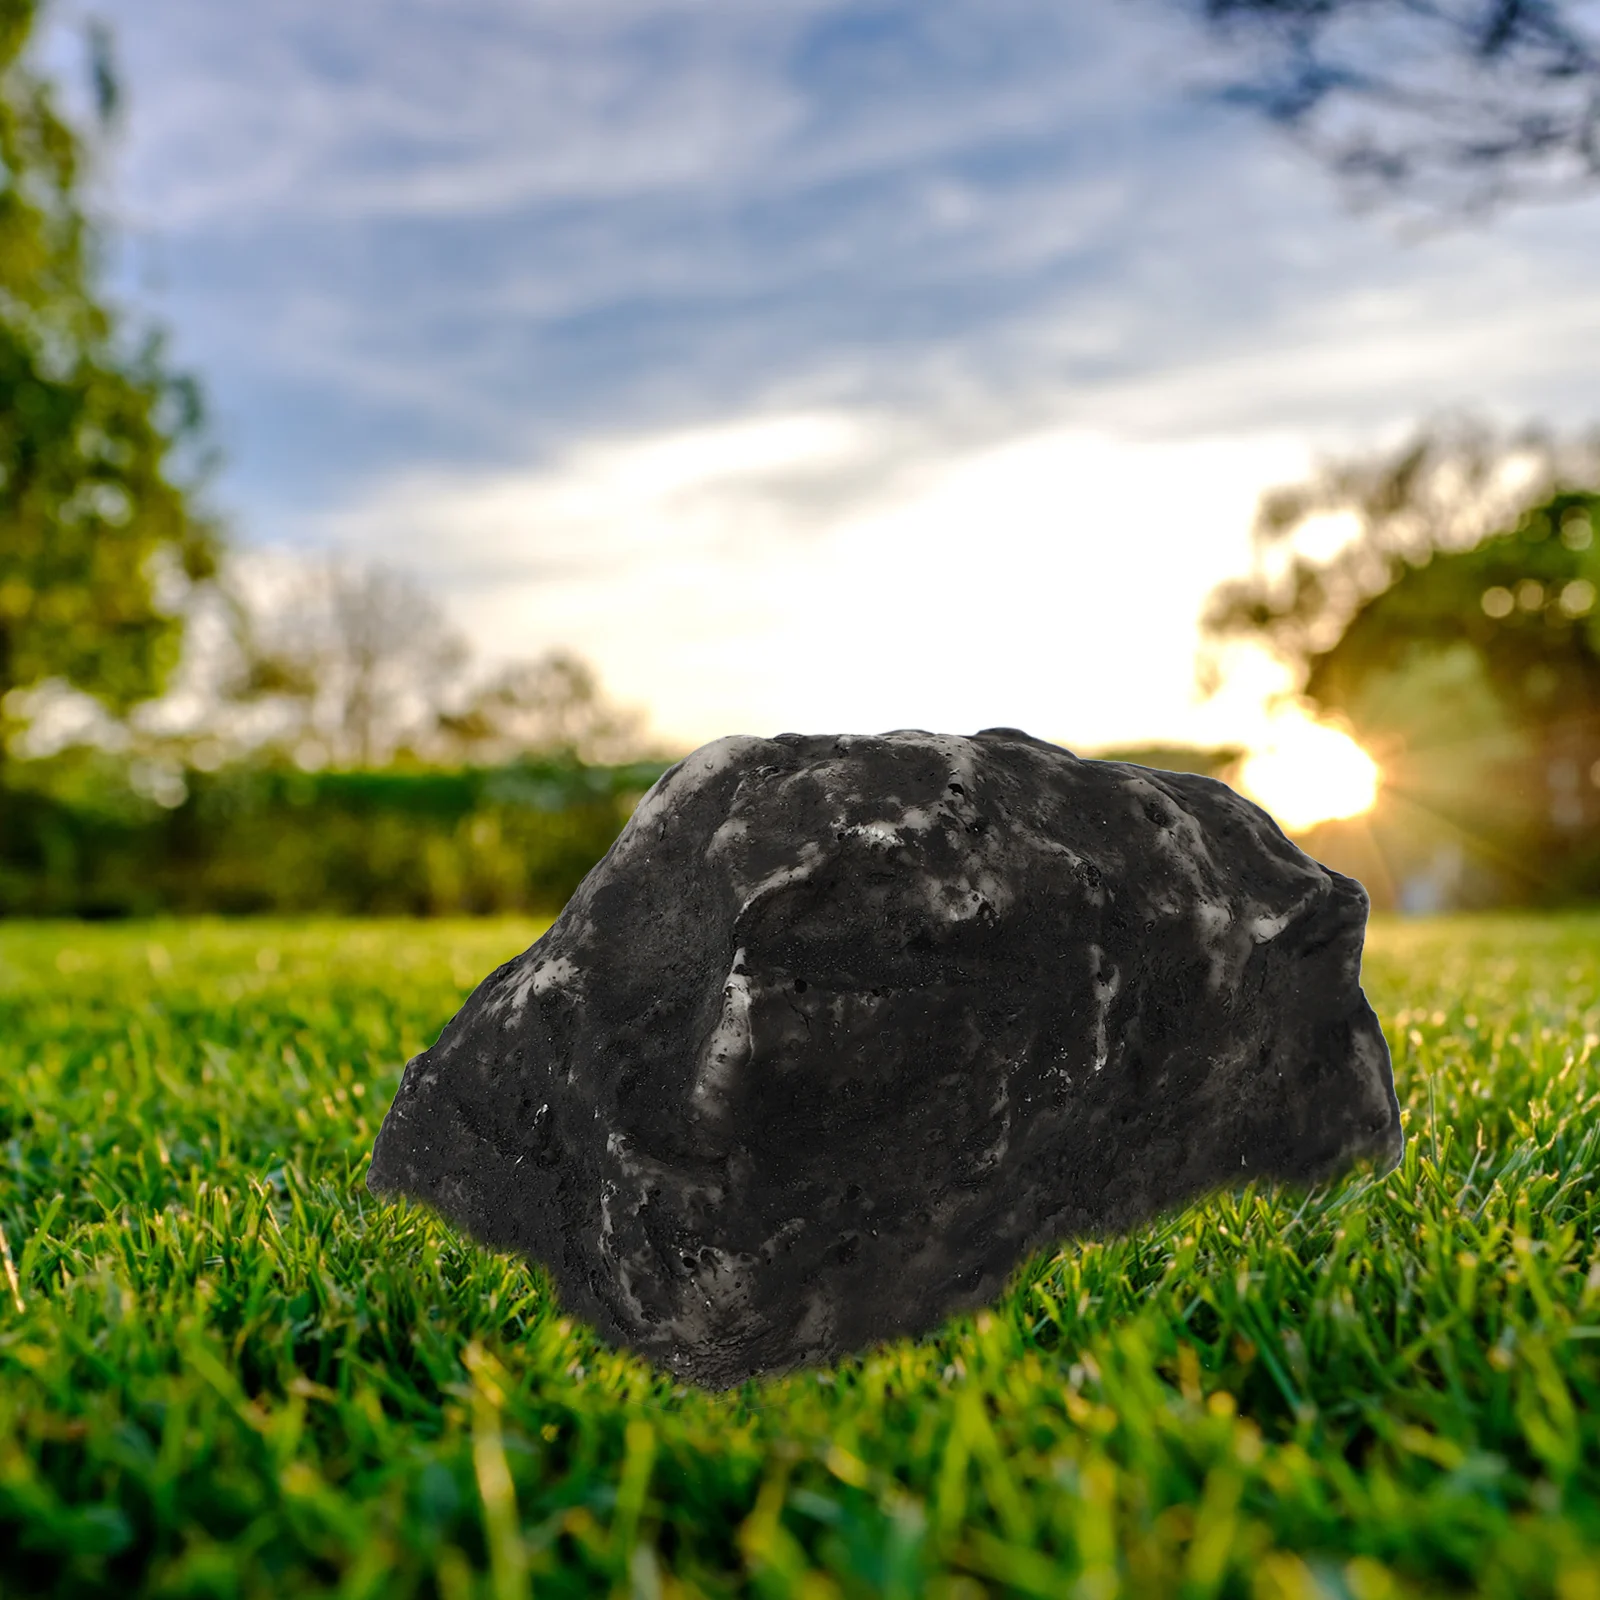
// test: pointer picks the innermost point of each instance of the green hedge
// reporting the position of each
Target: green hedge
(273, 840)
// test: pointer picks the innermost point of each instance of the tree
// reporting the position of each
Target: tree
(553, 705)
(350, 665)
(339, 663)
(99, 534)
(1451, 102)
(1457, 629)
(1447, 488)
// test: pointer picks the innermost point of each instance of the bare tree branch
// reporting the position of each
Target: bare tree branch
(1454, 104)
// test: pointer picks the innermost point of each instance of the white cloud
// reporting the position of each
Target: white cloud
(1050, 582)
(383, 109)
(609, 505)
(795, 372)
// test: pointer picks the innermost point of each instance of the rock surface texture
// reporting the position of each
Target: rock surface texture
(842, 1028)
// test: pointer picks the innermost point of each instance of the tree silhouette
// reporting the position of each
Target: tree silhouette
(1456, 629)
(98, 534)
(1451, 103)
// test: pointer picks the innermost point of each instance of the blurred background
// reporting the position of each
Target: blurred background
(420, 422)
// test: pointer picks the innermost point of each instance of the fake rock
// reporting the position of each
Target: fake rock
(843, 1028)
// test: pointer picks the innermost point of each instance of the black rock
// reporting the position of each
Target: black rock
(841, 1029)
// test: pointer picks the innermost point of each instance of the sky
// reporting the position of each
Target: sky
(804, 365)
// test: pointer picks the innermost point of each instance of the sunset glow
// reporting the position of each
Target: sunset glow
(1306, 772)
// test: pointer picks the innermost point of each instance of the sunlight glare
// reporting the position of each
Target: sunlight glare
(1306, 772)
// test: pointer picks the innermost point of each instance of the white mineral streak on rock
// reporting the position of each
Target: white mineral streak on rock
(1093, 894)
(727, 848)
(1184, 844)
(696, 768)
(955, 749)
(1001, 1108)
(1215, 918)
(810, 857)
(536, 978)
(642, 1262)
(639, 1265)
(1264, 928)
(624, 1267)
(974, 889)
(878, 833)
(617, 1149)
(731, 833)
(774, 1243)
(1105, 991)
(729, 1046)
(957, 899)
(555, 974)
(815, 1329)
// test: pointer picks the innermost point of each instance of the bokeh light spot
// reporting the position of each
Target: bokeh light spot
(1577, 597)
(1577, 531)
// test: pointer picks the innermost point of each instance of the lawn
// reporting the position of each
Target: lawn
(226, 1370)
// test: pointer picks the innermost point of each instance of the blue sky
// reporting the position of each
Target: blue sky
(791, 360)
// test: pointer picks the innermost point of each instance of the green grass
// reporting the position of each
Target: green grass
(227, 1371)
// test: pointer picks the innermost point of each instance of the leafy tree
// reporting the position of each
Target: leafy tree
(332, 662)
(1452, 485)
(1457, 630)
(357, 666)
(1522, 601)
(554, 705)
(1459, 102)
(99, 534)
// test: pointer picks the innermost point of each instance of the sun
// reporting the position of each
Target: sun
(1305, 772)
